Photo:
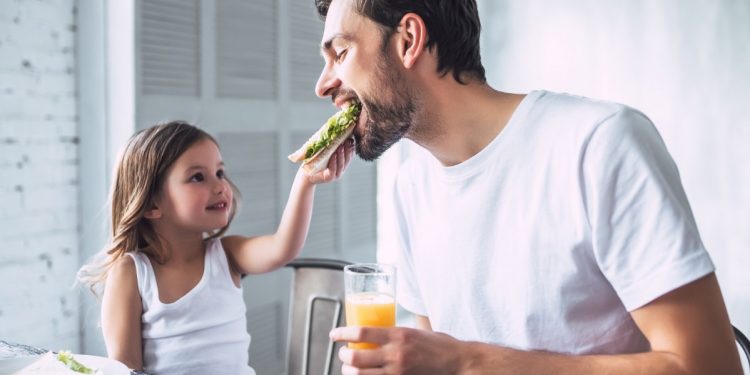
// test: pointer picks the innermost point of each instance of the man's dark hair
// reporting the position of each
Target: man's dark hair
(452, 26)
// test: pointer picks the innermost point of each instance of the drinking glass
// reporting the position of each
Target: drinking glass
(370, 297)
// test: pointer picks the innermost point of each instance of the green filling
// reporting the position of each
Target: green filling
(336, 125)
(65, 357)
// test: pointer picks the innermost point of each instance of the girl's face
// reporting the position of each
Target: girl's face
(196, 196)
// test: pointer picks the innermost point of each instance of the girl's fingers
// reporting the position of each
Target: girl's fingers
(349, 151)
(334, 167)
(341, 161)
(338, 162)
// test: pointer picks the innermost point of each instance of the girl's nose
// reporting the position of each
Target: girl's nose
(220, 187)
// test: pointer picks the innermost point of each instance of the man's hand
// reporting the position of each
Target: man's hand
(337, 164)
(402, 351)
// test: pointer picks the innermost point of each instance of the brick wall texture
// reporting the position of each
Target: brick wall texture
(38, 174)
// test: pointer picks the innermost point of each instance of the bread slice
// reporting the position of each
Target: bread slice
(319, 161)
(299, 155)
(342, 122)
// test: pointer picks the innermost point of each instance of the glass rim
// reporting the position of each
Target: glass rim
(372, 269)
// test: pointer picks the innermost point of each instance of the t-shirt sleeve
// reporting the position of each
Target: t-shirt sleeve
(407, 289)
(645, 239)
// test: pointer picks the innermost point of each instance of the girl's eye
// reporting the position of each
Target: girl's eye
(198, 177)
(220, 174)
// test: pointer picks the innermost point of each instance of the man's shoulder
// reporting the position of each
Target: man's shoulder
(571, 113)
(578, 105)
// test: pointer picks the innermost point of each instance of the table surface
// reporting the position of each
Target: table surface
(15, 350)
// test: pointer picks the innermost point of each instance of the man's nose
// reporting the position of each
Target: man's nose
(327, 82)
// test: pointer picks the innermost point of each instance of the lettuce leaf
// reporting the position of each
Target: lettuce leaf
(66, 357)
(335, 125)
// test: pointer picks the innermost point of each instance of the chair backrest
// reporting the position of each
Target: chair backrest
(744, 343)
(316, 307)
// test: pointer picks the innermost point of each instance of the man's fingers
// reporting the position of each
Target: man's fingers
(349, 370)
(360, 334)
(367, 358)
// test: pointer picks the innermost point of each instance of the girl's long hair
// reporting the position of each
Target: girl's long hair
(138, 180)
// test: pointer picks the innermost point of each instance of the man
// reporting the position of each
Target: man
(546, 233)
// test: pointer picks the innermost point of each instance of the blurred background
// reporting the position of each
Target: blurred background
(78, 77)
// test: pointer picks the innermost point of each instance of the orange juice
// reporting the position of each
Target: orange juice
(370, 310)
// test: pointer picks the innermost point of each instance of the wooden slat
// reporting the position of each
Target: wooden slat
(265, 326)
(306, 30)
(170, 47)
(246, 49)
(252, 166)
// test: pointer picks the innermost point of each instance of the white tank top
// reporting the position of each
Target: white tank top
(203, 332)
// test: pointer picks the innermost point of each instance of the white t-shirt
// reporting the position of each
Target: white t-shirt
(203, 332)
(571, 217)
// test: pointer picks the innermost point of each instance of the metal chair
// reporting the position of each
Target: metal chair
(316, 307)
(743, 342)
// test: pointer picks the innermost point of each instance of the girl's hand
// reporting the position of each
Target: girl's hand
(336, 165)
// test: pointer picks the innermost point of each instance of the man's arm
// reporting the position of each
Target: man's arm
(692, 322)
(423, 323)
(688, 329)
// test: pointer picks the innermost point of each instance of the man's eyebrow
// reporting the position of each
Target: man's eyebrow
(325, 46)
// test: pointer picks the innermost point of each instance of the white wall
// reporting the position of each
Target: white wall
(685, 64)
(38, 174)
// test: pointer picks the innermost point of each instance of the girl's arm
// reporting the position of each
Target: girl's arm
(121, 314)
(266, 253)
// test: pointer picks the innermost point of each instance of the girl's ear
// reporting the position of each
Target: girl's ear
(412, 39)
(153, 213)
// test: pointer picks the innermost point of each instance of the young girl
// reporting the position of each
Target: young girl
(172, 300)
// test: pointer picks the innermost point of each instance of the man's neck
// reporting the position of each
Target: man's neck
(459, 120)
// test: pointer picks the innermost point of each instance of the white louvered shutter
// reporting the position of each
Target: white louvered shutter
(306, 30)
(245, 71)
(169, 48)
(246, 49)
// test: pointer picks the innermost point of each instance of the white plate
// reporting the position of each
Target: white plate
(108, 366)
(11, 365)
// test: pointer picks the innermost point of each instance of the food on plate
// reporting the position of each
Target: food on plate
(316, 152)
(62, 363)
(66, 357)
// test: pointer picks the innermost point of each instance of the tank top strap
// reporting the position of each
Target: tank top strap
(146, 278)
(219, 261)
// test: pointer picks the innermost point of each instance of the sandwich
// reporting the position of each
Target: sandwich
(316, 152)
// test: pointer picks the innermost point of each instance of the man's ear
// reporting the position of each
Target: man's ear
(412, 39)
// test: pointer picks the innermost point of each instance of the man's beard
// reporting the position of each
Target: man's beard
(387, 122)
